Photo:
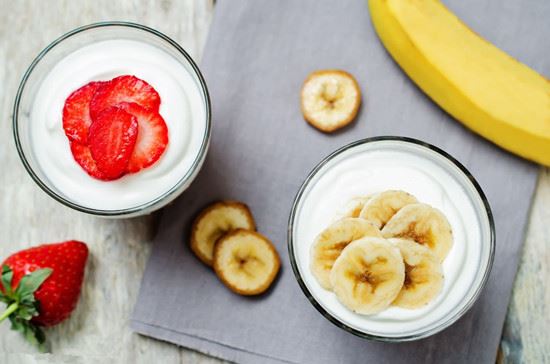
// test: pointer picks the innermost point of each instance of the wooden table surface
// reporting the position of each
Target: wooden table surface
(98, 330)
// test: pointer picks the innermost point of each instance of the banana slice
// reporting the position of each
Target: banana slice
(423, 224)
(330, 99)
(381, 207)
(423, 275)
(355, 205)
(330, 242)
(368, 275)
(246, 262)
(213, 222)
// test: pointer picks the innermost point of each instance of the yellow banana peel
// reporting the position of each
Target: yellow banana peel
(481, 86)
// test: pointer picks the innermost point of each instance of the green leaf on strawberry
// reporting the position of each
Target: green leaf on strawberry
(33, 334)
(22, 305)
(30, 283)
(7, 275)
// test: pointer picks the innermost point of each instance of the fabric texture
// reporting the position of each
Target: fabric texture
(257, 56)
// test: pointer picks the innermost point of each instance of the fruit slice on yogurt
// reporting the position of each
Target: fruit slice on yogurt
(328, 245)
(83, 156)
(368, 275)
(152, 137)
(112, 138)
(124, 89)
(423, 275)
(76, 112)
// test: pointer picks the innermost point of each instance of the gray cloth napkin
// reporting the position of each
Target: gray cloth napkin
(256, 58)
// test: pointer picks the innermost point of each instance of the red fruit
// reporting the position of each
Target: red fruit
(76, 112)
(152, 137)
(111, 139)
(124, 89)
(41, 286)
(83, 156)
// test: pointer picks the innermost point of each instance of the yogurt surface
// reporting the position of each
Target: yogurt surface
(385, 165)
(182, 107)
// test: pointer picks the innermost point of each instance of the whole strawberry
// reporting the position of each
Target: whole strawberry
(41, 286)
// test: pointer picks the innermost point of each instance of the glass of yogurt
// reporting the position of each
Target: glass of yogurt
(395, 163)
(103, 51)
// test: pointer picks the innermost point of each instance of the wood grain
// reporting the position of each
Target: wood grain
(525, 336)
(98, 331)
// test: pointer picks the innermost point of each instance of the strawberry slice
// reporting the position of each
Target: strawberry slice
(124, 89)
(111, 139)
(83, 157)
(76, 112)
(152, 137)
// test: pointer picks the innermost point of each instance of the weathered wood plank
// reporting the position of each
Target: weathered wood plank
(98, 330)
(525, 338)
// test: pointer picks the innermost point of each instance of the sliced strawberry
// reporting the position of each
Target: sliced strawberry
(124, 89)
(82, 156)
(76, 112)
(112, 138)
(152, 137)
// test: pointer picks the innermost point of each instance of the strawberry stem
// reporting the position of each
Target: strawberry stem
(11, 309)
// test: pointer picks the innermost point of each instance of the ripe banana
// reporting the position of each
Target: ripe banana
(423, 275)
(481, 86)
(246, 262)
(213, 222)
(368, 275)
(423, 224)
(330, 242)
(382, 206)
(330, 99)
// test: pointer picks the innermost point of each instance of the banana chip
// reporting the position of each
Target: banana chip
(246, 262)
(423, 275)
(330, 242)
(423, 224)
(215, 221)
(330, 99)
(368, 275)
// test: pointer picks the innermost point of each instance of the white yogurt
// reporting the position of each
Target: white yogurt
(182, 107)
(384, 165)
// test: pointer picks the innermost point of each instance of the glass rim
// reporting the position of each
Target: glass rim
(444, 324)
(136, 209)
